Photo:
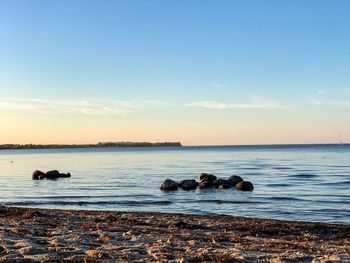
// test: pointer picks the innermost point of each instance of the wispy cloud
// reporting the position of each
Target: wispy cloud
(347, 89)
(79, 106)
(332, 92)
(332, 103)
(258, 104)
(219, 85)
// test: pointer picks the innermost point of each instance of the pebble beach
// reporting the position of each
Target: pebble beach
(54, 235)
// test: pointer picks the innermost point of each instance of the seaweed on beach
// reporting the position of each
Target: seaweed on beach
(42, 235)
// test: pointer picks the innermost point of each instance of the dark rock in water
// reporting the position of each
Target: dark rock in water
(38, 175)
(43, 176)
(235, 179)
(222, 182)
(54, 174)
(224, 186)
(67, 175)
(245, 186)
(188, 184)
(169, 185)
(206, 184)
(207, 177)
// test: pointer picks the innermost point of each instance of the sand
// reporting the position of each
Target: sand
(40, 235)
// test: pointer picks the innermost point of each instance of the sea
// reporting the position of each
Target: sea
(292, 182)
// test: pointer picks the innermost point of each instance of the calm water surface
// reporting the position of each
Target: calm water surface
(309, 183)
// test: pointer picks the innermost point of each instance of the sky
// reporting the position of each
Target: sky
(195, 71)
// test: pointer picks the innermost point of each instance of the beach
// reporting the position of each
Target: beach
(174, 131)
(54, 235)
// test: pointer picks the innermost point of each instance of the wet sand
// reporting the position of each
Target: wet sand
(42, 235)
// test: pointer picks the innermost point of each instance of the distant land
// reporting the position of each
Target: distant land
(98, 145)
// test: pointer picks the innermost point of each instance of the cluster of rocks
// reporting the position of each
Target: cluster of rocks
(52, 175)
(208, 181)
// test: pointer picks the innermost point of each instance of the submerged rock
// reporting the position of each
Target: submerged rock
(169, 185)
(188, 184)
(67, 175)
(208, 181)
(38, 175)
(206, 184)
(207, 177)
(235, 179)
(245, 186)
(222, 184)
(54, 174)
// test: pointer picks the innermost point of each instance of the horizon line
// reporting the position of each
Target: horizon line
(169, 142)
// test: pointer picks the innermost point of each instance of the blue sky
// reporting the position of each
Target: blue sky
(164, 70)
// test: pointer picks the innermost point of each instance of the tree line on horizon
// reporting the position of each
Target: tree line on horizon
(98, 145)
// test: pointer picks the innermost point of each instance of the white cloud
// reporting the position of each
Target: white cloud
(332, 103)
(79, 106)
(258, 104)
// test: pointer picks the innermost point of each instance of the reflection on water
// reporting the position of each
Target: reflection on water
(293, 182)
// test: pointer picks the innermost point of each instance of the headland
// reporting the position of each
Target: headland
(97, 145)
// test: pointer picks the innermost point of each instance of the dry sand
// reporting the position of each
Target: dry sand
(39, 235)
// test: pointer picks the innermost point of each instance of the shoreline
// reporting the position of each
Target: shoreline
(43, 235)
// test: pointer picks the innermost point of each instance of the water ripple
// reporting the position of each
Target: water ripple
(291, 182)
(304, 175)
